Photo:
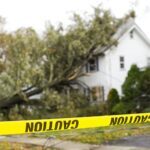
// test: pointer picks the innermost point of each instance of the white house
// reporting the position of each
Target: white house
(108, 69)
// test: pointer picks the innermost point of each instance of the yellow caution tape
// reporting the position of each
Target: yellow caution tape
(46, 125)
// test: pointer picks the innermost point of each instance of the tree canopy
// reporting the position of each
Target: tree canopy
(35, 64)
(136, 93)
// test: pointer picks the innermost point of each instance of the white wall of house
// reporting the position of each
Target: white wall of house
(135, 50)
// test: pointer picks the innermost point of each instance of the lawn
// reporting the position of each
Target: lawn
(19, 146)
(99, 135)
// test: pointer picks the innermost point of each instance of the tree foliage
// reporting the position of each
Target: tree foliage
(129, 87)
(136, 93)
(36, 64)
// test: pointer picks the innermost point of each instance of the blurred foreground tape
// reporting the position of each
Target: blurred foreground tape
(47, 125)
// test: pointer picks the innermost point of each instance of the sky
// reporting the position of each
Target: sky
(36, 13)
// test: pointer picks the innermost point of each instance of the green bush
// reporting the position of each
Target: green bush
(72, 105)
(112, 100)
(136, 89)
(93, 110)
(119, 108)
(146, 110)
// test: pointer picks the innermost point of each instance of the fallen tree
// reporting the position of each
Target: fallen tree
(34, 64)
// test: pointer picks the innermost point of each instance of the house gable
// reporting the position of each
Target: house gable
(132, 30)
(133, 48)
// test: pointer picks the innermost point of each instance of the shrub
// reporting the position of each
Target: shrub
(146, 110)
(136, 89)
(112, 100)
(119, 108)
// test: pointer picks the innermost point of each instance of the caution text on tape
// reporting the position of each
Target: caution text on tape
(47, 125)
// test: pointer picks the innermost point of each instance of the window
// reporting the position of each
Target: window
(122, 64)
(131, 34)
(97, 93)
(92, 65)
(86, 91)
(148, 61)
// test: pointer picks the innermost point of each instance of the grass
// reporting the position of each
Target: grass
(19, 146)
(99, 135)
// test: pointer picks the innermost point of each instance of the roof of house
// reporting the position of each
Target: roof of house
(128, 26)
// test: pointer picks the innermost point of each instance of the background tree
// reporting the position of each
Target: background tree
(129, 88)
(136, 94)
(144, 90)
(131, 82)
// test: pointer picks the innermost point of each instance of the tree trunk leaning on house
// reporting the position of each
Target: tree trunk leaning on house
(34, 64)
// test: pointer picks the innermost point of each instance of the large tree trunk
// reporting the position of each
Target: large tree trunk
(24, 96)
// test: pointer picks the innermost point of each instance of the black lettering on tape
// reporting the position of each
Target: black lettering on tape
(38, 126)
(120, 120)
(126, 119)
(144, 118)
(50, 126)
(137, 119)
(58, 125)
(131, 118)
(75, 123)
(67, 124)
(113, 121)
(44, 126)
(29, 127)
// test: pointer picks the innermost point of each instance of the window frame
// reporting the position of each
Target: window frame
(122, 62)
(95, 65)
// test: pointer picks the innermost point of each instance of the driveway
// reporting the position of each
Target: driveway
(142, 141)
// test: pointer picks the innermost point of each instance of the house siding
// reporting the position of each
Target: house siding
(135, 50)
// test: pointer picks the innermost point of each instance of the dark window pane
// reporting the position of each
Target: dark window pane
(93, 65)
(122, 62)
(92, 68)
(92, 61)
(121, 58)
(122, 65)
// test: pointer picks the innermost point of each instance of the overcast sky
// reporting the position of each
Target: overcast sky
(35, 13)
